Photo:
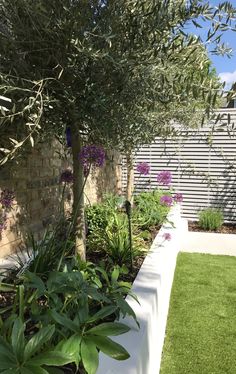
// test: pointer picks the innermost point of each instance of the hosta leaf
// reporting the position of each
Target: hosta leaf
(110, 348)
(36, 342)
(89, 355)
(109, 328)
(51, 358)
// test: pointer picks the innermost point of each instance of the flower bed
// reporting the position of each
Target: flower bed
(152, 287)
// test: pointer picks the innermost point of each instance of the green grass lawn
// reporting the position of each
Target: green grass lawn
(201, 327)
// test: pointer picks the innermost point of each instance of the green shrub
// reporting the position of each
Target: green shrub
(117, 241)
(97, 218)
(148, 211)
(210, 219)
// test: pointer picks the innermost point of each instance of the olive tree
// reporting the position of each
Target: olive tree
(109, 70)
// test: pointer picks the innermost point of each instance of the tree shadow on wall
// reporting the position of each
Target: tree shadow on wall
(225, 197)
(38, 199)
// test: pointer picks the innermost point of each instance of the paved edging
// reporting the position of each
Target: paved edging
(152, 287)
(208, 242)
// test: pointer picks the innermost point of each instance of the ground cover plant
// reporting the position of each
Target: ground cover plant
(201, 327)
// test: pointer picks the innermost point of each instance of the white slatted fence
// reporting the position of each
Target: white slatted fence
(202, 163)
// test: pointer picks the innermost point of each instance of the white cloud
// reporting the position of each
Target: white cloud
(228, 78)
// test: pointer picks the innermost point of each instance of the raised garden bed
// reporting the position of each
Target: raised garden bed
(224, 229)
(152, 287)
(81, 300)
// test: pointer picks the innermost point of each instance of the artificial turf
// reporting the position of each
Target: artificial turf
(201, 326)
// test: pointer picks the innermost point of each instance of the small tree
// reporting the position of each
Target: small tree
(108, 70)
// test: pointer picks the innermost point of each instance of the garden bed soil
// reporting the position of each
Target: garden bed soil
(226, 228)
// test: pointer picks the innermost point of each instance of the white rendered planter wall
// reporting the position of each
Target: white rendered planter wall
(152, 286)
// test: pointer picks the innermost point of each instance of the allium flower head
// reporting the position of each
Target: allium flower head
(178, 197)
(166, 200)
(92, 155)
(166, 236)
(6, 199)
(164, 177)
(67, 176)
(143, 168)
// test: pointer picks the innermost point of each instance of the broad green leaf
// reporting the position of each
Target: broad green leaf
(109, 328)
(51, 358)
(10, 371)
(18, 339)
(36, 342)
(89, 355)
(32, 370)
(102, 313)
(110, 348)
(71, 346)
(125, 308)
(6, 362)
(64, 321)
(115, 274)
(36, 282)
(6, 349)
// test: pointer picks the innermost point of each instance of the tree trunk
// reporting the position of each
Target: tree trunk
(130, 177)
(78, 194)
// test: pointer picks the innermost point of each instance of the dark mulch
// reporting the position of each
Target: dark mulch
(225, 229)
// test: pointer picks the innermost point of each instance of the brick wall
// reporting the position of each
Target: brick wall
(35, 181)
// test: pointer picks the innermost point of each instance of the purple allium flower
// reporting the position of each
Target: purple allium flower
(178, 197)
(6, 199)
(166, 200)
(164, 177)
(143, 168)
(92, 155)
(66, 176)
(68, 137)
(166, 236)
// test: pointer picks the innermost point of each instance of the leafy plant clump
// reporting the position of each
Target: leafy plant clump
(211, 219)
(63, 320)
(148, 209)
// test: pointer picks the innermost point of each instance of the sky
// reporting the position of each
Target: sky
(225, 67)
